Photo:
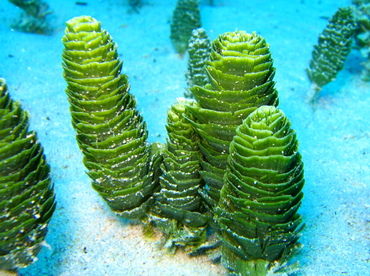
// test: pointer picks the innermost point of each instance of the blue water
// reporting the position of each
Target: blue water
(86, 238)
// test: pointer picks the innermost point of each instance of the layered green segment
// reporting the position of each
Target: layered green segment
(27, 199)
(186, 18)
(241, 74)
(110, 131)
(258, 206)
(178, 199)
(334, 45)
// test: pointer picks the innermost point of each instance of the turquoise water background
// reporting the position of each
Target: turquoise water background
(86, 238)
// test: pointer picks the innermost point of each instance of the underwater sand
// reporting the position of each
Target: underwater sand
(86, 238)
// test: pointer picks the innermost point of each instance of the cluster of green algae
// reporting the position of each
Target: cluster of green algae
(206, 153)
(210, 148)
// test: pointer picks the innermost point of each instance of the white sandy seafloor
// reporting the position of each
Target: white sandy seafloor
(86, 238)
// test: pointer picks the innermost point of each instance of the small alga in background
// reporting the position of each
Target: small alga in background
(34, 19)
(330, 54)
(361, 12)
(186, 18)
(135, 5)
(199, 50)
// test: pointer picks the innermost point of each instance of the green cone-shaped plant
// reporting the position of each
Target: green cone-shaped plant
(199, 50)
(241, 74)
(27, 199)
(186, 18)
(110, 132)
(334, 45)
(257, 212)
(180, 213)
